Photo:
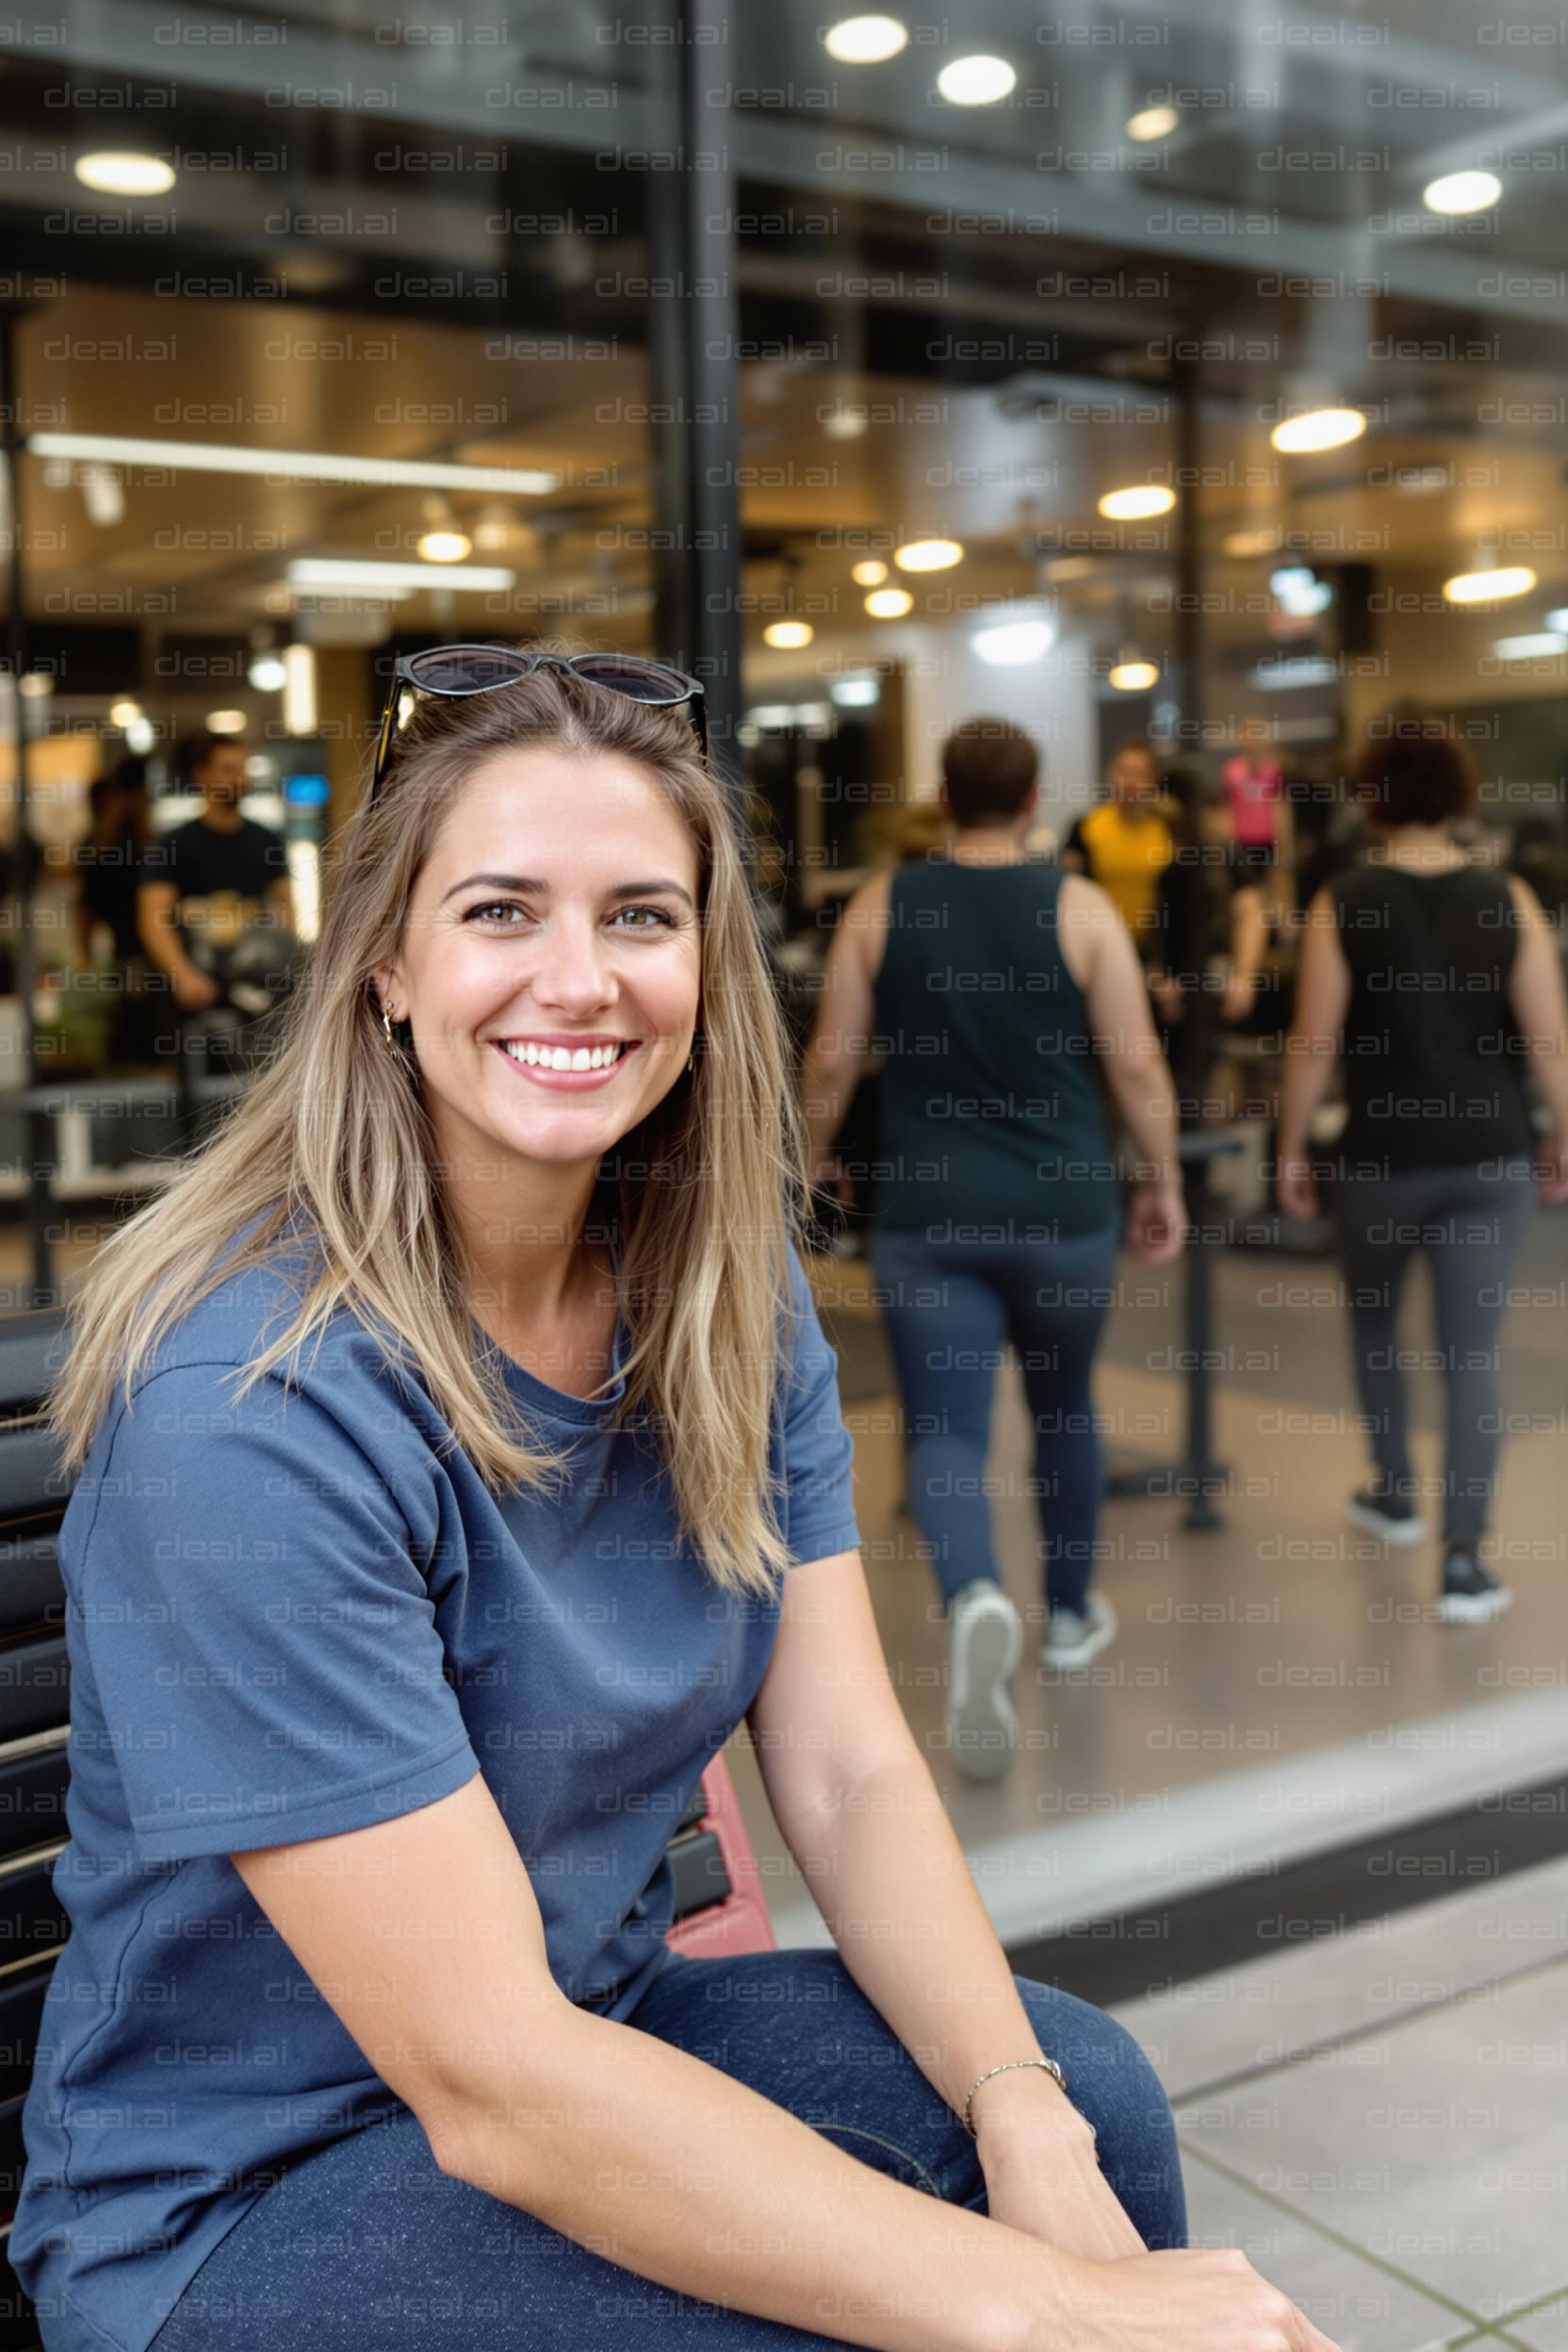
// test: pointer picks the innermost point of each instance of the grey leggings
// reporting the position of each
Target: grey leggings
(1470, 1221)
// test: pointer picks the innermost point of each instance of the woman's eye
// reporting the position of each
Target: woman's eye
(498, 909)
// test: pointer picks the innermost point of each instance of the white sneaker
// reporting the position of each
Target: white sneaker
(1073, 1638)
(985, 1642)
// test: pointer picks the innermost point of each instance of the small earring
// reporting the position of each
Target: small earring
(386, 1028)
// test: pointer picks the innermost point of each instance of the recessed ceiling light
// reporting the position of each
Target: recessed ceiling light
(444, 547)
(225, 721)
(928, 555)
(889, 604)
(1319, 429)
(1010, 644)
(126, 176)
(121, 713)
(976, 81)
(1461, 191)
(1153, 123)
(788, 635)
(1509, 580)
(268, 673)
(1266, 541)
(870, 573)
(1136, 505)
(856, 692)
(843, 423)
(865, 40)
(35, 684)
(1134, 678)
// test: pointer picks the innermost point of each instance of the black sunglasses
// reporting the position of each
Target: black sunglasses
(457, 670)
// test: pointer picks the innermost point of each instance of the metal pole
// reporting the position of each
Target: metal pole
(1187, 649)
(693, 372)
(40, 1136)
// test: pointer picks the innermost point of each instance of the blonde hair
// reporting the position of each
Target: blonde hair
(709, 1192)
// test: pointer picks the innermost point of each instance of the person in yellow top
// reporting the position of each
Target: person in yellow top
(1126, 840)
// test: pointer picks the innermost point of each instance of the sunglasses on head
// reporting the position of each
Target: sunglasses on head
(457, 670)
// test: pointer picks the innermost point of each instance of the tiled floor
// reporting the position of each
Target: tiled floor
(1378, 2122)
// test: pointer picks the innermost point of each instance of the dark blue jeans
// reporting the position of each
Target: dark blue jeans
(368, 2246)
(949, 1309)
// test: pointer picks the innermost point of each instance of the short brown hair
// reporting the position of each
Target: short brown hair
(1414, 771)
(988, 767)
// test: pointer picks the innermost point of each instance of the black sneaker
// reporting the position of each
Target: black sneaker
(1392, 1518)
(1470, 1592)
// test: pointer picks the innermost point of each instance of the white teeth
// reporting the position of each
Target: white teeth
(561, 1058)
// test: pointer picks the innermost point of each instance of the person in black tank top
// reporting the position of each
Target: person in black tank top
(997, 1211)
(1432, 982)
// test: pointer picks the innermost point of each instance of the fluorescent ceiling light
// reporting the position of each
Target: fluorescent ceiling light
(869, 575)
(856, 693)
(299, 690)
(1536, 647)
(787, 635)
(226, 722)
(1558, 620)
(865, 40)
(1461, 191)
(1318, 429)
(928, 555)
(1153, 123)
(1012, 643)
(1509, 580)
(1303, 670)
(330, 574)
(889, 604)
(1136, 505)
(124, 175)
(975, 81)
(1134, 678)
(211, 457)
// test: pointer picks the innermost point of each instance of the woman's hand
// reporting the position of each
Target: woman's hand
(1294, 1183)
(1057, 2192)
(1156, 1223)
(1182, 2299)
(1238, 996)
(1551, 1167)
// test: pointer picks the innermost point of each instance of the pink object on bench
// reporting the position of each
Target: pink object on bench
(740, 1922)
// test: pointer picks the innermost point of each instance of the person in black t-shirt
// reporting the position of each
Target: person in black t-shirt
(210, 878)
(1435, 981)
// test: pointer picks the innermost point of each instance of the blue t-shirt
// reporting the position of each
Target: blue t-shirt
(297, 1615)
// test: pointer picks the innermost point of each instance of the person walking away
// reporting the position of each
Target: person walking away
(1430, 982)
(989, 983)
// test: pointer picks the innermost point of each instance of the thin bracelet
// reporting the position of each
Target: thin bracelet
(1051, 2066)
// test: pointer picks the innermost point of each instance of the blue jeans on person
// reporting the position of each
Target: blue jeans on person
(368, 2246)
(949, 1308)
